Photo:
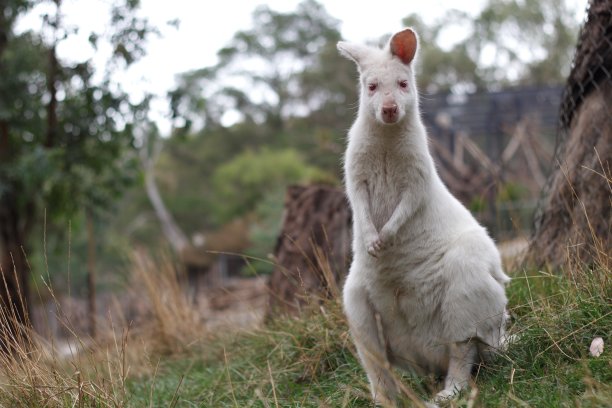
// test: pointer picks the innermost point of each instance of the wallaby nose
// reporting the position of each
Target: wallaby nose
(389, 113)
(389, 110)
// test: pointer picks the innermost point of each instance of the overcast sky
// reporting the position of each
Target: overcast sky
(207, 26)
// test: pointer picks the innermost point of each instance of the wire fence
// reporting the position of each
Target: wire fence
(494, 149)
(497, 151)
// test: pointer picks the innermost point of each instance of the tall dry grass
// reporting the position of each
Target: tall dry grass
(79, 371)
(175, 324)
(44, 372)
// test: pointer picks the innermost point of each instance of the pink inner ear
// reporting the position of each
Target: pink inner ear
(403, 45)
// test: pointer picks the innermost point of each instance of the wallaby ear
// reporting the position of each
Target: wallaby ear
(404, 45)
(355, 52)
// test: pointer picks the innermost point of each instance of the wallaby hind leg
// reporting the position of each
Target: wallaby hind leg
(368, 337)
(462, 357)
(382, 383)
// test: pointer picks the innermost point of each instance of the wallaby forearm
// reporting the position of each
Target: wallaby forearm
(361, 207)
(404, 210)
(411, 200)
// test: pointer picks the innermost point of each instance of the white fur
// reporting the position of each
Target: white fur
(425, 290)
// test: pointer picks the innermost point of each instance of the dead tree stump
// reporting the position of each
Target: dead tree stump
(312, 253)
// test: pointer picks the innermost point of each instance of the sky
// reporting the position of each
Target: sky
(205, 27)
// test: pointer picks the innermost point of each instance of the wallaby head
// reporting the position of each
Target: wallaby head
(388, 90)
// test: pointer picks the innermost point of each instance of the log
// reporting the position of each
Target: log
(312, 253)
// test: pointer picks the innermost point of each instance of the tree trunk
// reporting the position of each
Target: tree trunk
(573, 224)
(91, 275)
(13, 266)
(173, 233)
(3, 31)
(14, 301)
(52, 105)
(312, 253)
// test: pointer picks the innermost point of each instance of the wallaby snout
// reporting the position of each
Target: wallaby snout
(390, 112)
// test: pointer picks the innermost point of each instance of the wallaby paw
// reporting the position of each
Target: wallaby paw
(375, 247)
(385, 401)
(507, 340)
(446, 395)
(387, 237)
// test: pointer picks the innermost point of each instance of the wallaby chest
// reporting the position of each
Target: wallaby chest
(386, 171)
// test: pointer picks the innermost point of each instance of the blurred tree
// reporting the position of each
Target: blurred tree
(264, 232)
(149, 154)
(508, 42)
(65, 141)
(264, 75)
(242, 182)
(278, 85)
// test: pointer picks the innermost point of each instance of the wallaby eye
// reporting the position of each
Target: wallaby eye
(403, 84)
(372, 87)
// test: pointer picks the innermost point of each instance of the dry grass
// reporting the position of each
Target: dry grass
(82, 372)
(39, 372)
(175, 323)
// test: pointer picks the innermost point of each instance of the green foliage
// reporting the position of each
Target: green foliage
(73, 154)
(511, 193)
(302, 99)
(440, 69)
(478, 204)
(265, 231)
(67, 141)
(242, 182)
(301, 75)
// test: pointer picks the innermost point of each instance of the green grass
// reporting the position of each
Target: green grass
(292, 362)
(310, 362)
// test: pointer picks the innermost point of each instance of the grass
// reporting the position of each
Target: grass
(555, 322)
(310, 362)
(292, 362)
(172, 361)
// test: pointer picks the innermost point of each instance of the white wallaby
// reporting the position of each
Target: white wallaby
(425, 290)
